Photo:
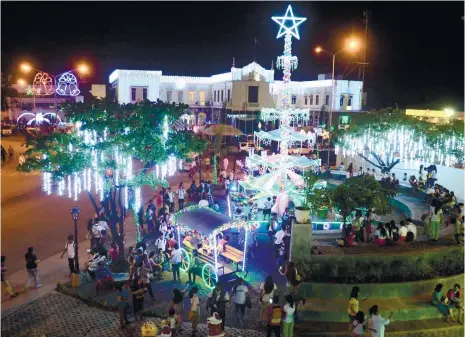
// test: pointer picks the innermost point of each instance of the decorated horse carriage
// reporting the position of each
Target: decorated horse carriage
(206, 230)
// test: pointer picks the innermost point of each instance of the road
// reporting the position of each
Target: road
(29, 217)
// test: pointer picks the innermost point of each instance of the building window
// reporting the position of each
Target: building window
(349, 103)
(214, 95)
(144, 93)
(133, 94)
(294, 99)
(341, 101)
(253, 94)
(327, 100)
(202, 97)
(306, 100)
(317, 99)
(229, 95)
(222, 95)
(180, 98)
(191, 96)
(168, 96)
(311, 99)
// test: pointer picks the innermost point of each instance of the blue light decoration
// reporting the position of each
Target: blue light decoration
(67, 85)
(289, 16)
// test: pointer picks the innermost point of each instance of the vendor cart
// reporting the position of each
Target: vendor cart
(203, 228)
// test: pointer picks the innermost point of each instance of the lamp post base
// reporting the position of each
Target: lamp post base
(75, 280)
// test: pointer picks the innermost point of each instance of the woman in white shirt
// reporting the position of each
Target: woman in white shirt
(288, 321)
(377, 323)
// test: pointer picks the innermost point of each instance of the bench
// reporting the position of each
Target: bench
(234, 255)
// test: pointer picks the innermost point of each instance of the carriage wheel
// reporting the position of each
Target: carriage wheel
(209, 276)
(185, 260)
(241, 273)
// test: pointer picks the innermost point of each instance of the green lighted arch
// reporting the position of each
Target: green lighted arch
(209, 275)
(185, 260)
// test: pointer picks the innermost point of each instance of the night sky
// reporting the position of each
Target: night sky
(415, 49)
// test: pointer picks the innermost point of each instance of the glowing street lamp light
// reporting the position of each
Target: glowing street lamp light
(22, 82)
(449, 112)
(25, 67)
(83, 69)
(353, 45)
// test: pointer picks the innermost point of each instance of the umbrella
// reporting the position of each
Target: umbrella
(220, 130)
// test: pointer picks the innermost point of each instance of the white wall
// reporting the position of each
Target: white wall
(240, 94)
(451, 178)
(136, 78)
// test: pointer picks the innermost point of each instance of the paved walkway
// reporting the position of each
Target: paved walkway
(51, 270)
(59, 315)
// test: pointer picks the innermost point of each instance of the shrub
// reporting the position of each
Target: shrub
(382, 268)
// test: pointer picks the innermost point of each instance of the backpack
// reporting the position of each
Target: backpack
(276, 316)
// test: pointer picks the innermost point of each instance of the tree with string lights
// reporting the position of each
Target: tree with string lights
(386, 137)
(98, 156)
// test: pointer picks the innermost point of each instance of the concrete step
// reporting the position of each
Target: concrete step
(405, 309)
(416, 328)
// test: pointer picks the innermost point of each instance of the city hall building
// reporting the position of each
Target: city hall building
(236, 95)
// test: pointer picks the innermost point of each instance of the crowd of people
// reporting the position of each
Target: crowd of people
(368, 229)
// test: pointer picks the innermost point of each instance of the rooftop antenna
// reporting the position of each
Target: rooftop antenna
(272, 64)
(234, 63)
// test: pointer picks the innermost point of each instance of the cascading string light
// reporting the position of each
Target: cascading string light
(69, 187)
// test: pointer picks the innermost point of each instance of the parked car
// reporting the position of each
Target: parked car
(245, 146)
(7, 130)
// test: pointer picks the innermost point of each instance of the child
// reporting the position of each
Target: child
(194, 312)
(172, 321)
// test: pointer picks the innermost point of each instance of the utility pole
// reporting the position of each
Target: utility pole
(366, 17)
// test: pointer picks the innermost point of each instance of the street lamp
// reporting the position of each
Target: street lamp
(351, 45)
(75, 216)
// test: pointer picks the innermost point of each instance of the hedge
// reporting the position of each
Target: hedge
(421, 265)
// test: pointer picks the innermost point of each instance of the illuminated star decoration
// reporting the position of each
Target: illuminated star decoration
(292, 29)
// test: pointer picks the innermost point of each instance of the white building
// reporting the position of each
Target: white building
(240, 91)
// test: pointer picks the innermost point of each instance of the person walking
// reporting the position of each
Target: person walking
(267, 205)
(70, 248)
(350, 169)
(181, 195)
(194, 312)
(177, 303)
(122, 304)
(5, 284)
(11, 152)
(171, 199)
(138, 291)
(217, 300)
(289, 312)
(274, 313)
(436, 221)
(32, 268)
(240, 297)
(176, 258)
(354, 303)
(3, 154)
(194, 269)
(21, 159)
(144, 272)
